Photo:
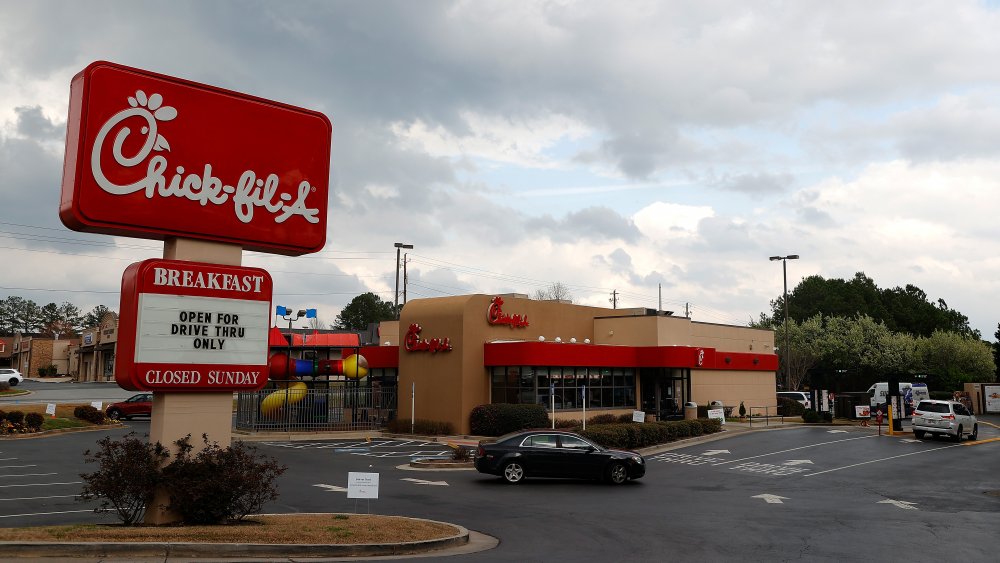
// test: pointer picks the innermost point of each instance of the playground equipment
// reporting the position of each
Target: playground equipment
(285, 373)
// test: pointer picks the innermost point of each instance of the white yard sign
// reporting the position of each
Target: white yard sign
(362, 485)
(717, 413)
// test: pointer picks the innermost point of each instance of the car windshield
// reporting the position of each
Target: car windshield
(933, 407)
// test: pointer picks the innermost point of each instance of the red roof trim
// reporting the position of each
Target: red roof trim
(596, 355)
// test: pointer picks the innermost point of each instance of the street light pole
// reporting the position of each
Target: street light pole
(784, 275)
(398, 246)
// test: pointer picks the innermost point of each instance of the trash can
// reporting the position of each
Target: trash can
(690, 411)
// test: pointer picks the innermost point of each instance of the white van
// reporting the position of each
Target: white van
(912, 393)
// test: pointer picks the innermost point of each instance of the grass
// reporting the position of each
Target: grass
(335, 529)
(63, 419)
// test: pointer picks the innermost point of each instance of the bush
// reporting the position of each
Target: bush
(567, 423)
(810, 416)
(625, 418)
(603, 419)
(420, 426)
(790, 407)
(34, 421)
(15, 417)
(3, 415)
(217, 485)
(89, 413)
(4, 386)
(500, 418)
(633, 435)
(126, 478)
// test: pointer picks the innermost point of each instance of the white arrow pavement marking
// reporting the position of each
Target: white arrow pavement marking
(715, 452)
(797, 462)
(836, 431)
(910, 441)
(905, 505)
(331, 488)
(422, 482)
(771, 499)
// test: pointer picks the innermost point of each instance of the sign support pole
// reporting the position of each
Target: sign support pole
(176, 416)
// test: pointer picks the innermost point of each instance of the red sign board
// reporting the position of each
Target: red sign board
(152, 156)
(496, 316)
(189, 326)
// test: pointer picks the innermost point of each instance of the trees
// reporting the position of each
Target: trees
(905, 309)
(555, 292)
(362, 310)
(93, 318)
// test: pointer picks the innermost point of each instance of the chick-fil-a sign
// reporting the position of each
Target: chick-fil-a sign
(496, 316)
(413, 343)
(189, 326)
(153, 156)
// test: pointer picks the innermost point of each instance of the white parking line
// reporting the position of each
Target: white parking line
(794, 449)
(44, 513)
(29, 475)
(41, 484)
(882, 459)
(16, 466)
(38, 498)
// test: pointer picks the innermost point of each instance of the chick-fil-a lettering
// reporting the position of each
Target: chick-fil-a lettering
(249, 193)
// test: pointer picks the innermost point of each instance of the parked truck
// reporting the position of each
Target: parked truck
(912, 393)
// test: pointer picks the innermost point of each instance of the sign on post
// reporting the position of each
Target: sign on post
(50, 409)
(362, 485)
(638, 416)
(153, 156)
(188, 326)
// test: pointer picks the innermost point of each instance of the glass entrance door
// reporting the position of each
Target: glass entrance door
(664, 391)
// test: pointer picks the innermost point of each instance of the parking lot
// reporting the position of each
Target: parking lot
(812, 493)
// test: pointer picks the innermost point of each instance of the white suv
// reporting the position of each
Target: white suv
(799, 396)
(11, 376)
(947, 418)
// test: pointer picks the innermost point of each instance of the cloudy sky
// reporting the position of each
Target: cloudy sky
(608, 146)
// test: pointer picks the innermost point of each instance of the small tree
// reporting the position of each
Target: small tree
(216, 485)
(127, 474)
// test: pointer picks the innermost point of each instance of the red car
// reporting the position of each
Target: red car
(136, 405)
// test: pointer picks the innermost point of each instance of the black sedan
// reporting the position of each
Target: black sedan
(551, 453)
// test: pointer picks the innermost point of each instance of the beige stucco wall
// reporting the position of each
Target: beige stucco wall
(754, 389)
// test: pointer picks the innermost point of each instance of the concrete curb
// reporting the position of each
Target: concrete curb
(230, 550)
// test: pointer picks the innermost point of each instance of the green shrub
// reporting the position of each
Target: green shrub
(743, 410)
(625, 418)
(34, 421)
(790, 407)
(217, 485)
(632, 435)
(126, 478)
(89, 413)
(810, 416)
(15, 417)
(710, 425)
(420, 426)
(602, 419)
(568, 423)
(500, 418)
(3, 415)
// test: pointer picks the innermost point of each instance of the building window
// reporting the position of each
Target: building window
(604, 387)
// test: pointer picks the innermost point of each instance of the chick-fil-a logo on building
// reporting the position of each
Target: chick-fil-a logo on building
(413, 343)
(496, 316)
(154, 156)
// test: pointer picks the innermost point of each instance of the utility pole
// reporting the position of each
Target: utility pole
(614, 299)
(398, 246)
(405, 278)
(687, 310)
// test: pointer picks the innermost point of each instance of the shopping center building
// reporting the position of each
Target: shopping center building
(455, 353)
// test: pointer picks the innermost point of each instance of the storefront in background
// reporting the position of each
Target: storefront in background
(455, 353)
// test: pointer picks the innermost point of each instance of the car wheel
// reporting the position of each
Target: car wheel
(617, 474)
(975, 433)
(12, 382)
(114, 414)
(918, 434)
(958, 435)
(513, 473)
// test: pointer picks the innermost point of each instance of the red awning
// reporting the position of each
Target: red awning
(278, 339)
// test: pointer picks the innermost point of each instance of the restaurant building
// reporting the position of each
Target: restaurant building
(455, 353)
